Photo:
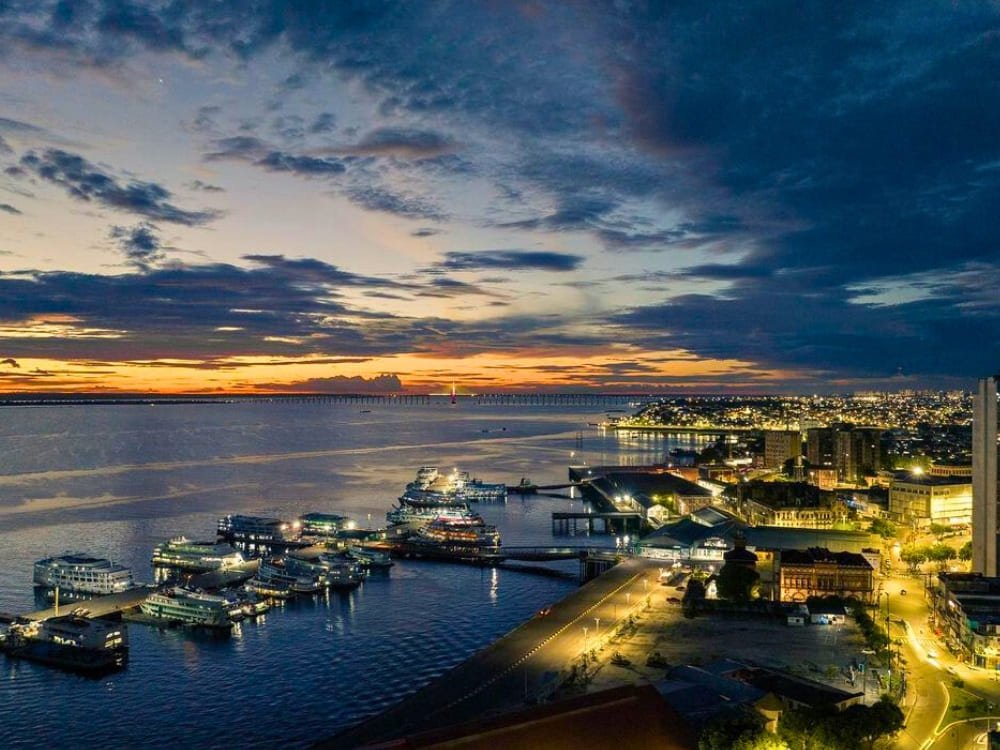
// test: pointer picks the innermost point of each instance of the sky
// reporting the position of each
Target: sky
(200, 196)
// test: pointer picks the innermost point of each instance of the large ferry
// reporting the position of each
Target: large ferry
(290, 574)
(341, 572)
(413, 516)
(257, 530)
(185, 606)
(78, 574)
(433, 489)
(467, 532)
(196, 557)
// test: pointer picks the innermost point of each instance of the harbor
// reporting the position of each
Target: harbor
(415, 605)
(255, 561)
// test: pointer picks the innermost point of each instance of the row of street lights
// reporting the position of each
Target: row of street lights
(597, 620)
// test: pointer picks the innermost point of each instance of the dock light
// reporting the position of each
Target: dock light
(917, 471)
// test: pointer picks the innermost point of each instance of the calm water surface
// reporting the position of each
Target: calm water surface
(116, 480)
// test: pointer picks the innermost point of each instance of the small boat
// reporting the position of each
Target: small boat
(368, 557)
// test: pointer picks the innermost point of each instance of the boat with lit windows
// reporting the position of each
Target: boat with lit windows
(77, 575)
(299, 578)
(196, 557)
(433, 489)
(368, 557)
(410, 515)
(71, 642)
(445, 532)
(179, 605)
(258, 530)
(341, 572)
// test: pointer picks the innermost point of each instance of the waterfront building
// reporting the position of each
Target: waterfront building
(984, 478)
(781, 445)
(707, 534)
(619, 486)
(967, 608)
(923, 500)
(820, 572)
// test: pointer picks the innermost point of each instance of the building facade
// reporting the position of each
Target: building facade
(984, 478)
(819, 572)
(966, 607)
(924, 500)
(781, 445)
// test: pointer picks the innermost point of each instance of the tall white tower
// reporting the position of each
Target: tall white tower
(984, 479)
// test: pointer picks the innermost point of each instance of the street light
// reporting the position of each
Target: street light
(597, 631)
(585, 638)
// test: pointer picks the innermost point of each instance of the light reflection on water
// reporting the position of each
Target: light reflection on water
(115, 481)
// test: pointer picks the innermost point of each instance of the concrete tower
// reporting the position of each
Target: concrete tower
(984, 479)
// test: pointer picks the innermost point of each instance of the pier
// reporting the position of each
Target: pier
(525, 665)
(116, 604)
(566, 523)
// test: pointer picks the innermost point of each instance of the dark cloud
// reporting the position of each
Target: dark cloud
(425, 232)
(87, 182)
(10, 362)
(7, 208)
(403, 142)
(511, 260)
(325, 122)
(339, 384)
(204, 187)
(255, 151)
(387, 201)
(304, 166)
(139, 243)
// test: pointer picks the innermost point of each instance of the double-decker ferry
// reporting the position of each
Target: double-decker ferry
(257, 530)
(79, 574)
(467, 532)
(433, 489)
(188, 607)
(196, 557)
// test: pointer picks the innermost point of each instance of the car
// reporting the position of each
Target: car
(543, 612)
(949, 670)
(902, 592)
(932, 654)
(680, 588)
(673, 600)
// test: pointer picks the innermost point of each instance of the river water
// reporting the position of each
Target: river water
(114, 480)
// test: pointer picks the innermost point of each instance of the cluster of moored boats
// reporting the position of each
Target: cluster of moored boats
(433, 512)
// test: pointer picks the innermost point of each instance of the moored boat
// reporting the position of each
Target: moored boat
(178, 605)
(196, 557)
(77, 574)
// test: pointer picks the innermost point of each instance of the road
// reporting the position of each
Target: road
(524, 664)
(931, 668)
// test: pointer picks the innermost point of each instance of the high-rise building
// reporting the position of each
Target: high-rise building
(781, 445)
(858, 453)
(854, 452)
(984, 478)
(820, 446)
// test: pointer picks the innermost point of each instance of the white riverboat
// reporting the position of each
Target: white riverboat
(80, 574)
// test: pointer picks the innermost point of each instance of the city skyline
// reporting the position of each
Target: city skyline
(390, 197)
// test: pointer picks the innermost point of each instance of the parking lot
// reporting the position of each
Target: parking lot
(819, 652)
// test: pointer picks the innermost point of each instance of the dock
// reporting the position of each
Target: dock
(523, 666)
(612, 522)
(116, 604)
